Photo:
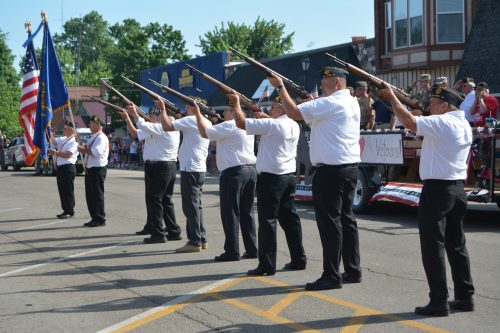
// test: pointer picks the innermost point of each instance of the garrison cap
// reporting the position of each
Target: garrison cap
(469, 81)
(333, 72)
(447, 95)
(154, 112)
(440, 80)
(277, 99)
(95, 119)
(425, 77)
(483, 85)
(70, 124)
(360, 84)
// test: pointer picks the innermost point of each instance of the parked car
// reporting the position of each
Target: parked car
(14, 154)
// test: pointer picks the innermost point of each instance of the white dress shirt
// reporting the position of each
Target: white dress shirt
(99, 146)
(194, 149)
(446, 145)
(158, 144)
(468, 105)
(65, 144)
(234, 146)
(278, 143)
(334, 128)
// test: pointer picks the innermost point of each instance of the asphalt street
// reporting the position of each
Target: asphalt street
(57, 276)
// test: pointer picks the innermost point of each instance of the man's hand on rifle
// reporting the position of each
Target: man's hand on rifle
(131, 109)
(160, 104)
(196, 108)
(275, 81)
(233, 97)
(386, 93)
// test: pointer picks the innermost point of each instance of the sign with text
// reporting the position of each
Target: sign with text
(383, 148)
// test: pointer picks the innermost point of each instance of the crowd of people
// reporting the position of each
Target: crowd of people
(335, 119)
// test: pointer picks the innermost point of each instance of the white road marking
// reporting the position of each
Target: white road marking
(178, 300)
(9, 273)
(31, 227)
(9, 210)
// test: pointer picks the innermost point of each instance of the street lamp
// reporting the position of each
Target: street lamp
(305, 67)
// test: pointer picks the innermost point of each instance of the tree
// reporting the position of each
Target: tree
(10, 90)
(262, 40)
(87, 46)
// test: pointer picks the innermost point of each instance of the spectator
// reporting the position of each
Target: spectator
(134, 147)
(486, 106)
(365, 105)
(467, 85)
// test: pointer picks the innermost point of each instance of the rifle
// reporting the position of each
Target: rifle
(188, 100)
(403, 97)
(227, 90)
(169, 105)
(125, 99)
(295, 88)
(115, 107)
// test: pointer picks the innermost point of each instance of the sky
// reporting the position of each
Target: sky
(316, 23)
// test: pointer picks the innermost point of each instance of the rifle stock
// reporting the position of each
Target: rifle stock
(227, 90)
(169, 105)
(379, 83)
(295, 88)
(188, 100)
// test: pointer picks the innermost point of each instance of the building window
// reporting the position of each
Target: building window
(450, 21)
(408, 23)
(388, 27)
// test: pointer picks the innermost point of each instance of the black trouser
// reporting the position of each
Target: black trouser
(275, 201)
(333, 192)
(66, 186)
(159, 180)
(237, 191)
(191, 189)
(443, 205)
(94, 193)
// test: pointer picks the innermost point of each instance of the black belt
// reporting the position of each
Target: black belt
(158, 162)
(236, 167)
(275, 174)
(443, 181)
(336, 166)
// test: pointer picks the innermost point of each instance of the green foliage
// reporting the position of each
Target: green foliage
(10, 91)
(262, 40)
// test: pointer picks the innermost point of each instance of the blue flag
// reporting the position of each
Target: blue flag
(52, 93)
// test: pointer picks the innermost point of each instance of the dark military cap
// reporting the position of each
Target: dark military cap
(95, 119)
(447, 95)
(199, 100)
(333, 72)
(70, 124)
(154, 112)
(360, 84)
(483, 85)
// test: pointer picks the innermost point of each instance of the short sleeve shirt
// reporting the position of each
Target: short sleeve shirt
(194, 149)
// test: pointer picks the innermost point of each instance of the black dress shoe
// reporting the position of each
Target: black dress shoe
(154, 240)
(174, 237)
(142, 232)
(226, 257)
(88, 223)
(350, 279)
(94, 224)
(249, 256)
(294, 267)
(64, 215)
(465, 305)
(259, 272)
(439, 310)
(323, 284)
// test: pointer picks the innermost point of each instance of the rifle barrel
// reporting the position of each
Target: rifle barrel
(227, 90)
(170, 106)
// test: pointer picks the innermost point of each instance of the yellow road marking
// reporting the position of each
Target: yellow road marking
(356, 322)
(264, 314)
(283, 303)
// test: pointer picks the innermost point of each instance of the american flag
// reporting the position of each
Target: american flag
(265, 94)
(29, 96)
(314, 93)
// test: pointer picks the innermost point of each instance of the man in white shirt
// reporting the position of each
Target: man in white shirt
(467, 86)
(192, 161)
(443, 203)
(335, 152)
(64, 158)
(160, 158)
(236, 161)
(276, 167)
(96, 159)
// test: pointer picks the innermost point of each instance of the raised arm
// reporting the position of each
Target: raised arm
(166, 122)
(290, 107)
(239, 116)
(202, 124)
(405, 117)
